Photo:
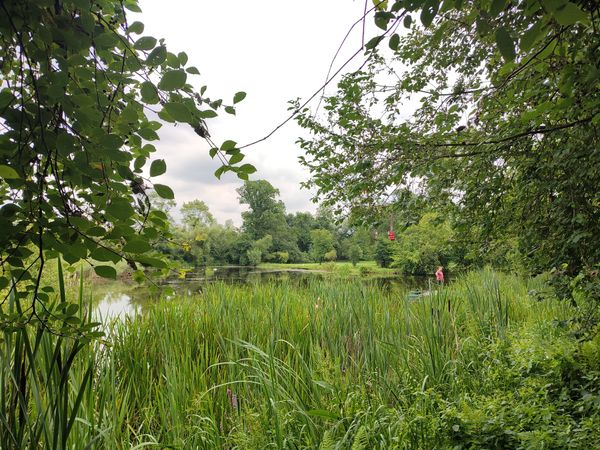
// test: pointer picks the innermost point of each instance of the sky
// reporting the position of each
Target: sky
(275, 51)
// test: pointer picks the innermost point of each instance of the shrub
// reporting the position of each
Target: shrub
(254, 256)
(355, 253)
(383, 252)
(330, 255)
(278, 257)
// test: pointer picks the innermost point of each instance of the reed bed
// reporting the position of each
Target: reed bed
(329, 364)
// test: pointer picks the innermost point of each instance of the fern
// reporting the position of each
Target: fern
(328, 442)
(361, 440)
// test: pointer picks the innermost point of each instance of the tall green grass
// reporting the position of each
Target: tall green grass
(323, 363)
(308, 364)
(44, 369)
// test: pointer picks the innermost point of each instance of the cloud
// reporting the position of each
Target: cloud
(256, 48)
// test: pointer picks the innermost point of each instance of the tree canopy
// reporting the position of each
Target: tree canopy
(489, 109)
(83, 94)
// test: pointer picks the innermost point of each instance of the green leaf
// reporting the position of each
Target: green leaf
(183, 58)
(164, 191)
(179, 112)
(138, 163)
(173, 79)
(132, 6)
(505, 44)
(3, 282)
(103, 254)
(236, 158)
(213, 151)
(120, 209)
(193, 70)
(148, 134)
(228, 145)
(382, 19)
(157, 56)
(7, 172)
(145, 43)
(230, 110)
(553, 5)
(158, 167)
(531, 36)
(96, 231)
(381, 4)
(394, 42)
(373, 42)
(238, 97)
(136, 246)
(570, 14)
(429, 11)
(208, 114)
(247, 168)
(136, 27)
(497, 7)
(150, 261)
(220, 171)
(149, 94)
(106, 272)
(483, 27)
(407, 21)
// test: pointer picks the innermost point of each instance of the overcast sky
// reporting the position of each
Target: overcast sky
(275, 51)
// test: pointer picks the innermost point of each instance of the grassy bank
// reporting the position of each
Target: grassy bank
(339, 364)
(339, 267)
(346, 365)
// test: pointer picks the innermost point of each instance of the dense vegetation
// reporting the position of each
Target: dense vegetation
(423, 240)
(334, 364)
(496, 163)
(488, 111)
(268, 233)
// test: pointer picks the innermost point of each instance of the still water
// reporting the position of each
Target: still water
(123, 300)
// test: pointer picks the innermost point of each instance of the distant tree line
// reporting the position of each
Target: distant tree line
(423, 238)
(268, 233)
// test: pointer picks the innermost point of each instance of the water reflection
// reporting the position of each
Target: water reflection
(114, 306)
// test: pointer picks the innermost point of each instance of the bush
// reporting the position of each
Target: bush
(383, 252)
(254, 256)
(278, 257)
(330, 255)
(355, 253)
(424, 246)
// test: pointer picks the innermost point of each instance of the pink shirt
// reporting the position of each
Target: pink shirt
(439, 275)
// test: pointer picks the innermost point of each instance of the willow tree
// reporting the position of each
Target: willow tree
(492, 107)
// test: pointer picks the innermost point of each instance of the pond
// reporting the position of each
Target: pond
(125, 299)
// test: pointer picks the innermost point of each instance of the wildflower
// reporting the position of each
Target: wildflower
(232, 398)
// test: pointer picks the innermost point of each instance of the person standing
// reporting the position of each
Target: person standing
(439, 275)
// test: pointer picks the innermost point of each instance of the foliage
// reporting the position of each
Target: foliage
(81, 89)
(302, 223)
(196, 215)
(384, 252)
(487, 108)
(424, 246)
(278, 257)
(331, 255)
(337, 362)
(265, 213)
(321, 244)
(254, 256)
(355, 254)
